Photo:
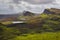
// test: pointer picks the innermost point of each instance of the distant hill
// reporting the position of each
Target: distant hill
(52, 11)
(8, 17)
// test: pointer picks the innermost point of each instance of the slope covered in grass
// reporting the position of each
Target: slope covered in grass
(41, 36)
(42, 27)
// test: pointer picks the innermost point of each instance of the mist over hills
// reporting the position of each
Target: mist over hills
(27, 13)
(24, 13)
(14, 17)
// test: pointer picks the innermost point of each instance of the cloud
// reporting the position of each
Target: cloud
(35, 1)
(36, 6)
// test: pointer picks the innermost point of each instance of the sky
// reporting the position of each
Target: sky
(35, 6)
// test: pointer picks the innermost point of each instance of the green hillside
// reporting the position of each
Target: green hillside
(41, 27)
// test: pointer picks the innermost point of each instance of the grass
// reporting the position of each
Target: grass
(41, 36)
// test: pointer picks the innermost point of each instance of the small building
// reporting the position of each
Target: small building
(15, 22)
(12, 22)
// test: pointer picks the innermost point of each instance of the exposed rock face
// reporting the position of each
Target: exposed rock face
(48, 12)
(27, 13)
(52, 11)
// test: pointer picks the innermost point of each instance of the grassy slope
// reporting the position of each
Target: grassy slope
(42, 36)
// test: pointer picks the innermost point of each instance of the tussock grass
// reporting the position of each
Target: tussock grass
(41, 36)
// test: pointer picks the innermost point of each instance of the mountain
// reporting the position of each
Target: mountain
(14, 17)
(27, 13)
(52, 11)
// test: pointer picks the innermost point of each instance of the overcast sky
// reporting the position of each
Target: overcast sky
(35, 6)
